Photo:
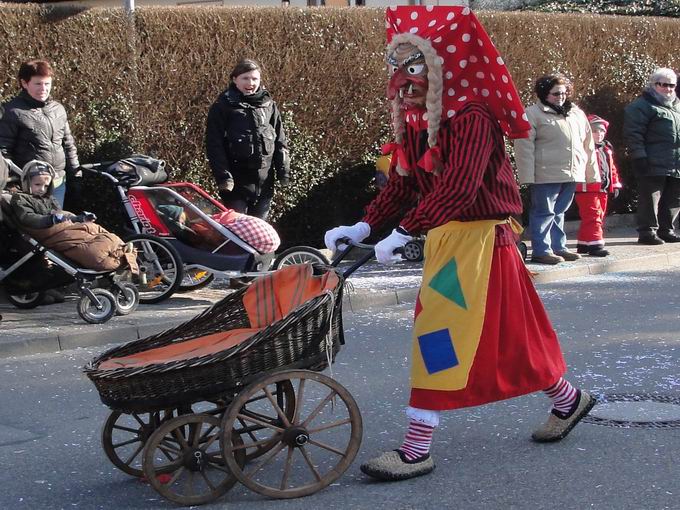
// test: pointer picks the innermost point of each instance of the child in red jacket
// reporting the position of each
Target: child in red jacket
(592, 198)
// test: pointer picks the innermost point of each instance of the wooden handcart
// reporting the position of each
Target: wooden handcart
(236, 394)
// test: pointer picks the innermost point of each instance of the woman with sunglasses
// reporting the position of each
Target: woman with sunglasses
(651, 129)
(559, 152)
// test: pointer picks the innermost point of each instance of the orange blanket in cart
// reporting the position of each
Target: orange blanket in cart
(269, 299)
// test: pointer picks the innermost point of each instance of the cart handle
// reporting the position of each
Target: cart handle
(349, 246)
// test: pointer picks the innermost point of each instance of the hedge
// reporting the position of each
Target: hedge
(145, 83)
(669, 8)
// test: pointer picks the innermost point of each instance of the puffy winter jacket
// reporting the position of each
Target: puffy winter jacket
(559, 149)
(245, 141)
(652, 131)
(86, 244)
(31, 129)
(605, 162)
(34, 212)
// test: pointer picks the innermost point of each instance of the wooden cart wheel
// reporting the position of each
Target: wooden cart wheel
(258, 434)
(124, 436)
(313, 448)
(188, 452)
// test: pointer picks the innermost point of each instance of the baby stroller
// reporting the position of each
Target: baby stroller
(235, 394)
(28, 269)
(176, 257)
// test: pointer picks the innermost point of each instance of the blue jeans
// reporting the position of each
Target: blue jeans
(546, 216)
(60, 193)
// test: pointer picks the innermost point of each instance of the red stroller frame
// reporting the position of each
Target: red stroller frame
(168, 260)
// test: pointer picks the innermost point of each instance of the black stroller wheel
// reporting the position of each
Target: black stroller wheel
(127, 298)
(299, 255)
(161, 267)
(414, 251)
(26, 301)
(97, 314)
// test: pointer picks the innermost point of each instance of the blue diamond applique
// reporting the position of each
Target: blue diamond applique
(437, 351)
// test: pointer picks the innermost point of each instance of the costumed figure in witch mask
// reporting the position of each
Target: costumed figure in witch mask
(481, 333)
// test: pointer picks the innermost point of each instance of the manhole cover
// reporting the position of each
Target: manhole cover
(636, 411)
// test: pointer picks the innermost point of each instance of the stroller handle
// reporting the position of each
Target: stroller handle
(349, 246)
(13, 167)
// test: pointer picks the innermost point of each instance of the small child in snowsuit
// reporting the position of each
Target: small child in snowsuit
(592, 198)
(76, 236)
(255, 231)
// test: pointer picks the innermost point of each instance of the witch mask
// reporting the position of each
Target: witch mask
(408, 76)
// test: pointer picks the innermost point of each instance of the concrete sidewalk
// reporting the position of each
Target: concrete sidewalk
(58, 327)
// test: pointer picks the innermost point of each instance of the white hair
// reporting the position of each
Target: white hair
(662, 73)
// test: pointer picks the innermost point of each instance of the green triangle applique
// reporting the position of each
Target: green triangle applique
(446, 282)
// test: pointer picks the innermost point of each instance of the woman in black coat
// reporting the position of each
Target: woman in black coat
(246, 144)
(35, 127)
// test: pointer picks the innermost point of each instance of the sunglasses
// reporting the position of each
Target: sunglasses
(558, 94)
(666, 85)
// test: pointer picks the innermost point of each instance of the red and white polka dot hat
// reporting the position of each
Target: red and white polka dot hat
(471, 67)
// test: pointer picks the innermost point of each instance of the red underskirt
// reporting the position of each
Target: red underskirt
(518, 351)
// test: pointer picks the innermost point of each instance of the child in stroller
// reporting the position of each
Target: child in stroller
(27, 268)
(76, 236)
(255, 231)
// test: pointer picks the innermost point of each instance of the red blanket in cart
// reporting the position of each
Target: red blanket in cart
(267, 300)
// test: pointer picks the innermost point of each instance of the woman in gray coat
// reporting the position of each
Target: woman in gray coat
(558, 153)
(651, 129)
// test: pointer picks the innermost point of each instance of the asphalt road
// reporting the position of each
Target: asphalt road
(619, 333)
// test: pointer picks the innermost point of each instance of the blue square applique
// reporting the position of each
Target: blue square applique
(437, 351)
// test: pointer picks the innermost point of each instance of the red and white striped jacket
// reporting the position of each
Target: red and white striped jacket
(477, 181)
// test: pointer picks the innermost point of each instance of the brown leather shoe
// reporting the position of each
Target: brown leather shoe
(548, 258)
(557, 428)
(568, 255)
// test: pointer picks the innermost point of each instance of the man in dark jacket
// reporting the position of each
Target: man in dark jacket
(35, 126)
(651, 128)
(246, 144)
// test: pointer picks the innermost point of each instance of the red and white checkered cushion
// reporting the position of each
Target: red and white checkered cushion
(256, 232)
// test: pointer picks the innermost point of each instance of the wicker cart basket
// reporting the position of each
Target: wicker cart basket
(309, 336)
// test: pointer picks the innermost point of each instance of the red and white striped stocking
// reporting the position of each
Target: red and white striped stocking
(564, 397)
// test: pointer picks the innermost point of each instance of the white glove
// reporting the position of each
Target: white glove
(357, 233)
(384, 250)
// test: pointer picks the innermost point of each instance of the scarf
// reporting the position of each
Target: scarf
(662, 100)
(256, 100)
(560, 110)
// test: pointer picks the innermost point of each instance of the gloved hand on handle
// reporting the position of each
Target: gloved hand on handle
(384, 250)
(58, 218)
(356, 233)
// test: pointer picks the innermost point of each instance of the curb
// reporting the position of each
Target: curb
(61, 341)
(353, 301)
(645, 263)
(67, 341)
